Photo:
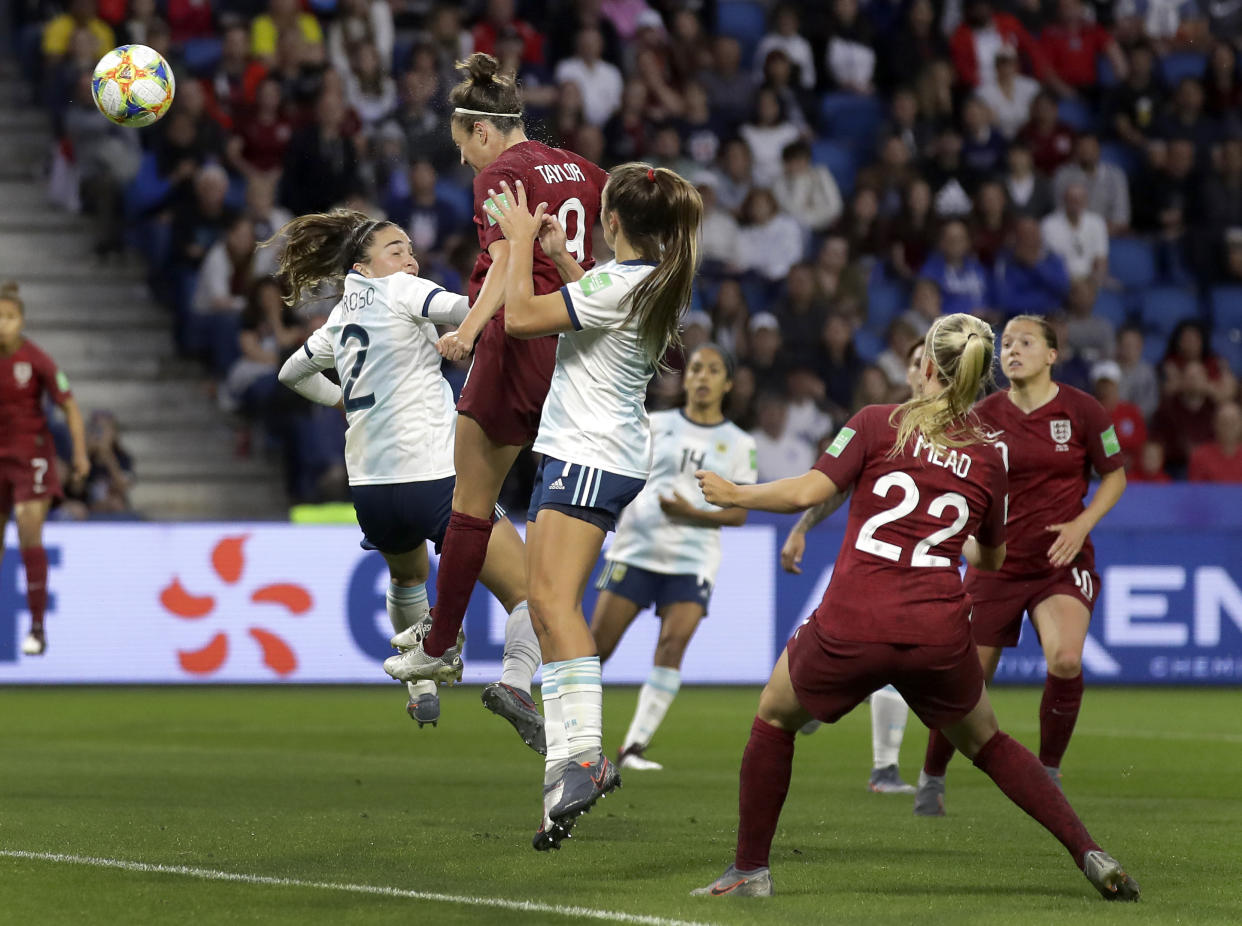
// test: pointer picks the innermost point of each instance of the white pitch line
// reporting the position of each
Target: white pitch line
(208, 874)
(1178, 735)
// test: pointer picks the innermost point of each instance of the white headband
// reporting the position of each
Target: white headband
(477, 112)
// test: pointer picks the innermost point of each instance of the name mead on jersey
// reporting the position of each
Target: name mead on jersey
(956, 461)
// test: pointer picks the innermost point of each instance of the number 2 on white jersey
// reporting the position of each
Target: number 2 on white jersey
(921, 557)
(577, 244)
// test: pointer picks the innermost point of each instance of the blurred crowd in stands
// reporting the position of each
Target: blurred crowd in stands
(865, 164)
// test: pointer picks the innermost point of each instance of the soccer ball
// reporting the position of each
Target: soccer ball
(133, 85)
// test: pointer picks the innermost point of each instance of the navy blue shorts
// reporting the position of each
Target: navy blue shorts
(644, 587)
(583, 492)
(398, 517)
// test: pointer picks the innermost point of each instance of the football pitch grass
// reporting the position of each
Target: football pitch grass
(328, 805)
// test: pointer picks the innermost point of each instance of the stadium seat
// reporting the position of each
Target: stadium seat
(1110, 306)
(460, 197)
(839, 160)
(1105, 76)
(1228, 346)
(201, 55)
(744, 20)
(1132, 261)
(1153, 350)
(1226, 305)
(868, 345)
(1121, 155)
(885, 301)
(852, 120)
(1182, 64)
(1162, 307)
(1076, 114)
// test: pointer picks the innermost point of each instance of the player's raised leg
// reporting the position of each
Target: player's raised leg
(1018, 773)
(677, 625)
(1062, 624)
(888, 727)
(481, 465)
(929, 797)
(767, 765)
(504, 575)
(30, 516)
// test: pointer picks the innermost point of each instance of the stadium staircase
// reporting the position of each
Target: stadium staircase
(115, 344)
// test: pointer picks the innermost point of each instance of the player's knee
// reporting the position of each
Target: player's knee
(670, 649)
(544, 605)
(1065, 663)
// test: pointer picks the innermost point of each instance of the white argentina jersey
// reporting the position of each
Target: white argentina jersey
(646, 536)
(594, 413)
(381, 339)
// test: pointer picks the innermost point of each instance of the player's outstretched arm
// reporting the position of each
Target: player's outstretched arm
(526, 315)
(795, 543)
(784, 496)
(678, 507)
(301, 374)
(457, 345)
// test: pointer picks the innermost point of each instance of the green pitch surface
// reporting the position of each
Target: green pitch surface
(330, 806)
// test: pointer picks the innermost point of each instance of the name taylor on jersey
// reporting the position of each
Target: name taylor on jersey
(560, 173)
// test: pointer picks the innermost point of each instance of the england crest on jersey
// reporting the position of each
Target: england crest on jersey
(22, 371)
(1060, 428)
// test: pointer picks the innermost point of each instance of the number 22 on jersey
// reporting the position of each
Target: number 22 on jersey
(921, 555)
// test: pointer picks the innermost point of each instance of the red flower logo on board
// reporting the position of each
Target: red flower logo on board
(228, 560)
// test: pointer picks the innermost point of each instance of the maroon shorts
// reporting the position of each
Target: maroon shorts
(831, 677)
(999, 603)
(507, 384)
(27, 480)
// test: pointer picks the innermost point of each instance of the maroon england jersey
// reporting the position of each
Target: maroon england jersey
(1050, 453)
(896, 578)
(569, 184)
(26, 375)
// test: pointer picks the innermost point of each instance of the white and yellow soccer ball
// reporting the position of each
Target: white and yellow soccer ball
(133, 85)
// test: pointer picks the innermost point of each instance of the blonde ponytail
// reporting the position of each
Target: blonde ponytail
(960, 348)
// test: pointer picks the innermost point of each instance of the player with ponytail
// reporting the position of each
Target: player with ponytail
(924, 477)
(614, 325)
(380, 340)
(1052, 436)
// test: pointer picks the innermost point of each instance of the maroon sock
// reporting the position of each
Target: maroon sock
(1058, 712)
(35, 560)
(939, 752)
(1018, 773)
(461, 561)
(767, 765)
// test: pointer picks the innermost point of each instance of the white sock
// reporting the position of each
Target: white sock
(888, 726)
(553, 725)
(522, 656)
(406, 606)
(421, 687)
(654, 699)
(582, 706)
